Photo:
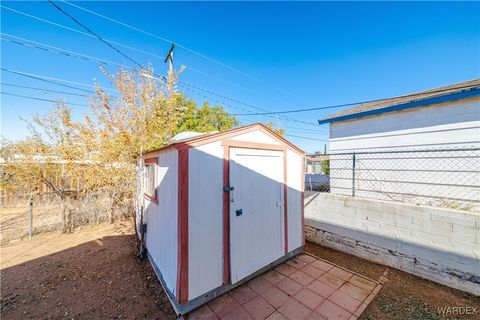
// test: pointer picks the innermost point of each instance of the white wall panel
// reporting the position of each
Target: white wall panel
(205, 225)
(162, 219)
(294, 199)
(256, 136)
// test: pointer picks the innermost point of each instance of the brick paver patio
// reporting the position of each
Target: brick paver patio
(304, 287)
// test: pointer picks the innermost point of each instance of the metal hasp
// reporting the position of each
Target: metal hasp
(238, 212)
(228, 189)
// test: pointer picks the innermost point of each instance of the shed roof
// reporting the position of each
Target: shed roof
(451, 92)
(215, 136)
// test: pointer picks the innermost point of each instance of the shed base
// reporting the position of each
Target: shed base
(182, 309)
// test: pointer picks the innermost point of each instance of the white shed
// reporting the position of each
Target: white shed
(221, 208)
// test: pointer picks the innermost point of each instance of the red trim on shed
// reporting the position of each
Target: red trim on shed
(149, 161)
(182, 264)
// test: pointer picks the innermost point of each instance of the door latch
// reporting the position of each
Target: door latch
(228, 189)
(238, 212)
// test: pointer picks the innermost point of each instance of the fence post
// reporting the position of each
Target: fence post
(353, 174)
(30, 212)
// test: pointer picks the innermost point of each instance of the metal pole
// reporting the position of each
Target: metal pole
(353, 174)
(30, 211)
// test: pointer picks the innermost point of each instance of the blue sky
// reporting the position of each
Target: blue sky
(306, 54)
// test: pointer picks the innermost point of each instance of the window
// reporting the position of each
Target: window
(149, 172)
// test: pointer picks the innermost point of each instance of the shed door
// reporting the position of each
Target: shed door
(256, 210)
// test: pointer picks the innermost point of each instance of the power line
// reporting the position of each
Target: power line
(353, 103)
(130, 48)
(42, 89)
(309, 130)
(53, 80)
(116, 43)
(57, 50)
(304, 131)
(245, 104)
(134, 49)
(42, 99)
(89, 58)
(181, 46)
(45, 79)
(91, 32)
(77, 31)
(308, 138)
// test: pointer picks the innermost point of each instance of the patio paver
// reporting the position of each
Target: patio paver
(304, 287)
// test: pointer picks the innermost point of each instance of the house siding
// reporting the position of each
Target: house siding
(442, 126)
(436, 126)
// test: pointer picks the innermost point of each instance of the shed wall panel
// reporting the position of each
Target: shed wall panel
(256, 136)
(162, 219)
(294, 199)
(205, 218)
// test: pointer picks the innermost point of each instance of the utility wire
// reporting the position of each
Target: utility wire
(308, 138)
(94, 59)
(78, 31)
(54, 81)
(137, 50)
(93, 33)
(47, 79)
(57, 50)
(355, 103)
(42, 89)
(245, 104)
(119, 44)
(41, 99)
(181, 46)
(52, 49)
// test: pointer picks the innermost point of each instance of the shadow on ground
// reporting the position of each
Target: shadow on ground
(97, 279)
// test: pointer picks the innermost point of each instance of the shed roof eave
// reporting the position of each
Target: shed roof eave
(202, 139)
(469, 93)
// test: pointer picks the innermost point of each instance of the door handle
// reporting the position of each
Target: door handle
(238, 212)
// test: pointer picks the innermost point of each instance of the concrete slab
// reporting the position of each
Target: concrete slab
(305, 287)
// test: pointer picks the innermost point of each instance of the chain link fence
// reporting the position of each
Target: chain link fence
(447, 178)
(30, 214)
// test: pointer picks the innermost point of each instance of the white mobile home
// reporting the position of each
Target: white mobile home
(219, 209)
(421, 148)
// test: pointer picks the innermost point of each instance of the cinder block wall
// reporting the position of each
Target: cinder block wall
(438, 244)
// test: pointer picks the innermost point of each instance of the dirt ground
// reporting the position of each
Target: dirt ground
(94, 273)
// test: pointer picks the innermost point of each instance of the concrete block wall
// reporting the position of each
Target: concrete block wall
(437, 244)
